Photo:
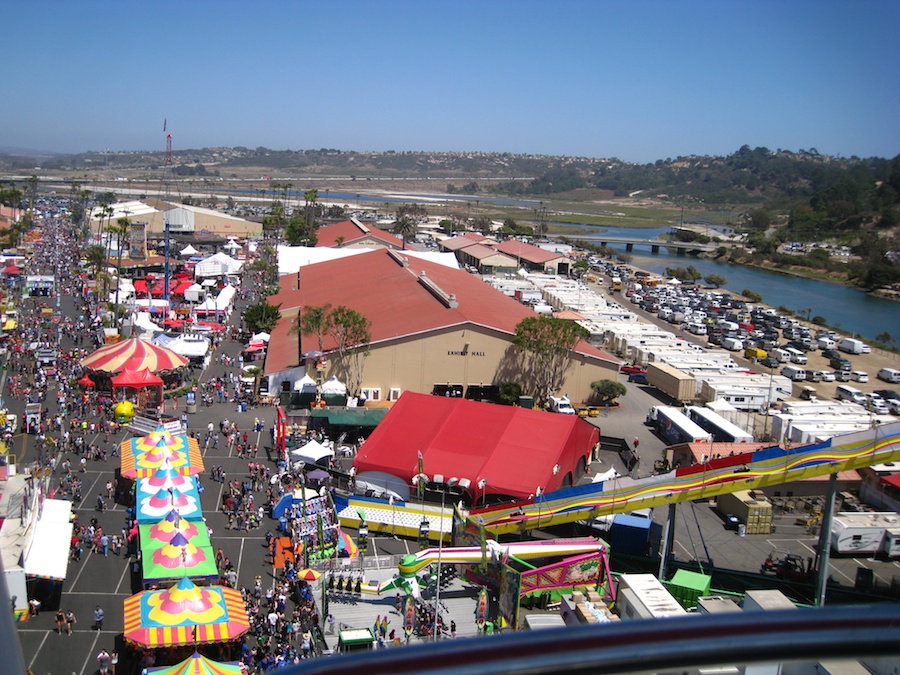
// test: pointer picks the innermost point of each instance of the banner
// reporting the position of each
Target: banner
(137, 241)
(409, 622)
(482, 609)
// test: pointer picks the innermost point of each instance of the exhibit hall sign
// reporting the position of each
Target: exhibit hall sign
(464, 352)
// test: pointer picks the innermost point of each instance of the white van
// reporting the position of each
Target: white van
(891, 375)
(859, 376)
(733, 344)
(845, 392)
(697, 328)
(796, 356)
(781, 355)
(826, 343)
(794, 373)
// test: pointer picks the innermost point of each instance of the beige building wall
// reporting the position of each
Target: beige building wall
(465, 355)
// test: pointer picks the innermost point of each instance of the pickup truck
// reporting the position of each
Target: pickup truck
(562, 405)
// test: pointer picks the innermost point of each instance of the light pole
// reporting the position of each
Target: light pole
(437, 587)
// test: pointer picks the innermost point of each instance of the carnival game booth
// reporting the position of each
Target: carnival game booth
(176, 621)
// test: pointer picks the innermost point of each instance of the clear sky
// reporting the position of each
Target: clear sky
(635, 79)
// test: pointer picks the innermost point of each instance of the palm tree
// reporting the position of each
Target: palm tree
(311, 197)
(120, 229)
(405, 228)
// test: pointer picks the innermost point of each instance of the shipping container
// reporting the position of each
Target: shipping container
(671, 381)
(629, 534)
(688, 587)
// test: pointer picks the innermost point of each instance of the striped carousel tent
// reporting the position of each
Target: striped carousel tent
(133, 354)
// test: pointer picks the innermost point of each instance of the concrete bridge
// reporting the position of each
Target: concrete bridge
(680, 247)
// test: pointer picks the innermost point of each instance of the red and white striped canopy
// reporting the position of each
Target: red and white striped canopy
(133, 354)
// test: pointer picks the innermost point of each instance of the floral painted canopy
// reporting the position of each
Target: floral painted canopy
(185, 614)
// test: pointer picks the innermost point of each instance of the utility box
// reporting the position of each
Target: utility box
(688, 587)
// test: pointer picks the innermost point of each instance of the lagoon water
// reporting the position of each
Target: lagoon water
(843, 307)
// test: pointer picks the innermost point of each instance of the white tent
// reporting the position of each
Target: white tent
(194, 292)
(217, 265)
(232, 245)
(260, 337)
(334, 387)
(189, 250)
(48, 555)
(305, 384)
(220, 305)
(312, 452)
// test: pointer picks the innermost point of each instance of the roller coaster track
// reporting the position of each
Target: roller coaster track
(767, 466)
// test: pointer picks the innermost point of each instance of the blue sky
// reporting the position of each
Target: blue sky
(640, 80)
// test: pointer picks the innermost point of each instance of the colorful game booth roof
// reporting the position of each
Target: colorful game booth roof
(142, 456)
(198, 665)
(163, 478)
(163, 531)
(185, 614)
(180, 556)
(152, 508)
(133, 354)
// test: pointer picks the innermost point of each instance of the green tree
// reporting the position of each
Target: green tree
(315, 321)
(548, 343)
(715, 280)
(95, 254)
(751, 295)
(405, 228)
(261, 317)
(607, 391)
(510, 392)
(351, 332)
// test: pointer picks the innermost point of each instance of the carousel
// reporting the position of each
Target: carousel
(135, 364)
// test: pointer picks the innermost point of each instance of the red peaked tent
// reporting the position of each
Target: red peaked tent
(514, 450)
(136, 379)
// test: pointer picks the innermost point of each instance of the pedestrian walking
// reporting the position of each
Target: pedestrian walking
(103, 659)
(98, 618)
(70, 622)
(60, 621)
(637, 442)
(113, 662)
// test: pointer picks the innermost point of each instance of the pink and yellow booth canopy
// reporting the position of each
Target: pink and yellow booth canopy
(198, 665)
(185, 614)
(142, 457)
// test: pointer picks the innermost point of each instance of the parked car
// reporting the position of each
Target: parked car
(894, 405)
(842, 375)
(639, 378)
(887, 394)
(831, 353)
(859, 376)
(840, 363)
(631, 369)
(828, 376)
(770, 362)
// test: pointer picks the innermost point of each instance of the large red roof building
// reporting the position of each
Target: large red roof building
(432, 328)
(354, 234)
